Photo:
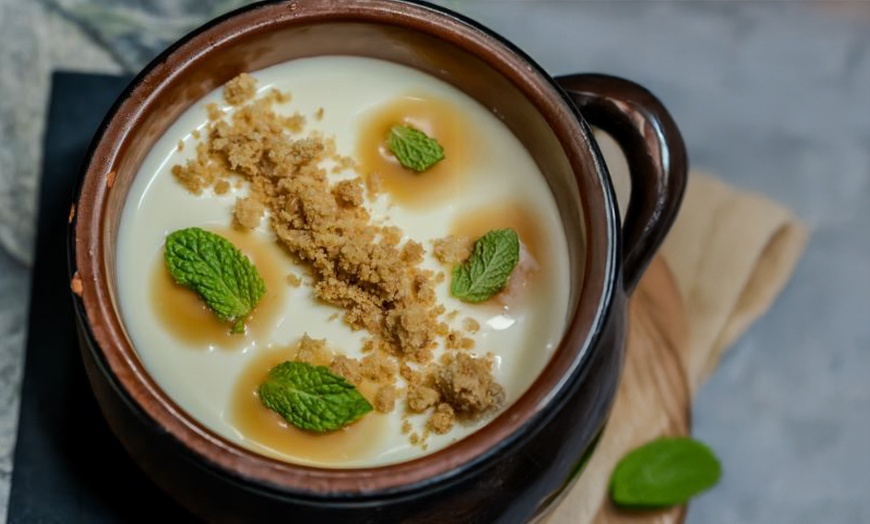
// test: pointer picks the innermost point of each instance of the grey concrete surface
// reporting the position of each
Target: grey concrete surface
(771, 96)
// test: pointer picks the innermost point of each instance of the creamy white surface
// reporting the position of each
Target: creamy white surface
(202, 380)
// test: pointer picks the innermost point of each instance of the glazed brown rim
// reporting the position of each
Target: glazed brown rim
(116, 356)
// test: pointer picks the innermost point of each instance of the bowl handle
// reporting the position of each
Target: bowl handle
(656, 156)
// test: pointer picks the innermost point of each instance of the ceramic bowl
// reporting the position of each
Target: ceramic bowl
(514, 468)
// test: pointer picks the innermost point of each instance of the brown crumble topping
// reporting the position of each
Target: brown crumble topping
(278, 96)
(294, 123)
(319, 114)
(293, 280)
(197, 174)
(195, 134)
(248, 212)
(240, 89)
(412, 253)
(392, 235)
(451, 250)
(221, 187)
(215, 113)
(456, 340)
(369, 345)
(343, 163)
(441, 420)
(364, 268)
(347, 367)
(420, 397)
(76, 284)
(180, 146)
(385, 399)
(471, 325)
(466, 383)
(312, 351)
(379, 368)
(348, 193)
(407, 373)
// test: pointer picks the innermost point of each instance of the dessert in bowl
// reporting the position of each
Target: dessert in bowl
(368, 245)
(480, 409)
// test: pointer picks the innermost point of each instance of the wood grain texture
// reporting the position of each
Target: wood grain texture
(653, 400)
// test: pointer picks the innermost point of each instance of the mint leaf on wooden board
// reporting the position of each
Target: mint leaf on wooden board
(486, 272)
(217, 271)
(311, 397)
(413, 148)
(665, 472)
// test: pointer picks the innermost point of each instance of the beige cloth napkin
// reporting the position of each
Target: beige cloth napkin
(730, 253)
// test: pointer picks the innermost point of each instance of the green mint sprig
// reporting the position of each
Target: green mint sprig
(486, 272)
(665, 472)
(413, 148)
(311, 397)
(217, 271)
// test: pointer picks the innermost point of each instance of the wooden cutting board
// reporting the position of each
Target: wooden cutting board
(653, 400)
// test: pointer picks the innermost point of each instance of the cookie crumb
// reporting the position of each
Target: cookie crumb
(76, 284)
(221, 187)
(379, 368)
(441, 420)
(467, 384)
(348, 193)
(451, 250)
(293, 280)
(471, 325)
(312, 351)
(420, 397)
(385, 399)
(214, 112)
(240, 89)
(347, 367)
(278, 96)
(248, 212)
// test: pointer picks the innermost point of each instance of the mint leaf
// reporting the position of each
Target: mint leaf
(413, 148)
(665, 472)
(311, 397)
(217, 271)
(486, 272)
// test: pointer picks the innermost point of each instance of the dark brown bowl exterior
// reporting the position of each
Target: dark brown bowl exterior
(515, 467)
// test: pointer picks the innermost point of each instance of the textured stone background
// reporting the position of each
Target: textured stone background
(773, 96)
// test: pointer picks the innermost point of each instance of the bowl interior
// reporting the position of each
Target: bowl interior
(439, 44)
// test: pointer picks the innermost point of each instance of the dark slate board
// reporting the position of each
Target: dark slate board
(68, 466)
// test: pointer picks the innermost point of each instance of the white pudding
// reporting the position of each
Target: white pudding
(492, 182)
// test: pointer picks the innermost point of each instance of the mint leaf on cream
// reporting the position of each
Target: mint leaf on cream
(487, 270)
(217, 271)
(311, 397)
(413, 148)
(665, 472)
